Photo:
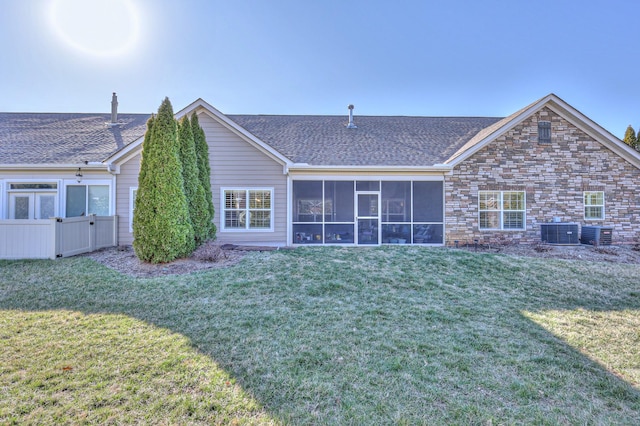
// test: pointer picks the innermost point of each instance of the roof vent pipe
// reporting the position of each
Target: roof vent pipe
(114, 108)
(351, 125)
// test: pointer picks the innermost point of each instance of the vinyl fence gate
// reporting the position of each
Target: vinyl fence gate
(56, 237)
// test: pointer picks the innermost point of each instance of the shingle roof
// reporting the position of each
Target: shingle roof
(377, 141)
(484, 133)
(54, 138)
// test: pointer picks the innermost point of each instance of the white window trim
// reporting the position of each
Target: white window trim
(132, 190)
(23, 181)
(4, 211)
(86, 182)
(584, 206)
(223, 228)
(502, 211)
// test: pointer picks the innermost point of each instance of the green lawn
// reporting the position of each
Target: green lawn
(392, 335)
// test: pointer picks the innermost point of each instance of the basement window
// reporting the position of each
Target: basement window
(544, 132)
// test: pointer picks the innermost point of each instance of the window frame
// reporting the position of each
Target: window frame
(133, 193)
(501, 210)
(7, 189)
(87, 184)
(247, 209)
(586, 206)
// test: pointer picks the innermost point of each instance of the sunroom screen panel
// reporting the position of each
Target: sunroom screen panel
(428, 202)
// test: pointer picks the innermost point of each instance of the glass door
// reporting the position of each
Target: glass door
(46, 204)
(368, 215)
(32, 205)
(21, 205)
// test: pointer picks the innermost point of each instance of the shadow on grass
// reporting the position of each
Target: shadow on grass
(373, 336)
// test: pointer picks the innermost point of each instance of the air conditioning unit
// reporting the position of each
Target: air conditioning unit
(596, 235)
(559, 233)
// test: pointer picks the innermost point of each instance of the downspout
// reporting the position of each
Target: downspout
(289, 212)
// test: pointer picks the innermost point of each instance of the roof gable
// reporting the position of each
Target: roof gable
(553, 102)
(201, 106)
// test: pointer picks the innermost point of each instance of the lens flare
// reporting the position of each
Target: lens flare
(97, 27)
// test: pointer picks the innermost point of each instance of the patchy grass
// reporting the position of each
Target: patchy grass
(393, 335)
(68, 367)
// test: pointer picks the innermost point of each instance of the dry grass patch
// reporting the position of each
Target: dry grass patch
(611, 338)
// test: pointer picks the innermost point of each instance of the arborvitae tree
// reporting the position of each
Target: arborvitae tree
(204, 170)
(145, 145)
(162, 229)
(196, 199)
(630, 137)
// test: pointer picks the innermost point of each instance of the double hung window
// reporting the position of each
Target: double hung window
(593, 205)
(247, 209)
(502, 210)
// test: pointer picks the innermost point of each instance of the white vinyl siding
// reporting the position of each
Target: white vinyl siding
(235, 163)
(133, 192)
(127, 179)
(238, 164)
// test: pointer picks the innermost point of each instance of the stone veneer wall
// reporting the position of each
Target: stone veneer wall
(554, 177)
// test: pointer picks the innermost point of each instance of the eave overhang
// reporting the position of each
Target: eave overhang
(307, 168)
(68, 166)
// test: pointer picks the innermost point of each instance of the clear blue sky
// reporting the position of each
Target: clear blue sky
(422, 57)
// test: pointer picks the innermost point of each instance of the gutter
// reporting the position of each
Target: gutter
(305, 167)
(84, 166)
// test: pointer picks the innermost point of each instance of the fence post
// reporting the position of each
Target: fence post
(92, 232)
(55, 231)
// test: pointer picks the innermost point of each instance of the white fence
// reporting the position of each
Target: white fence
(56, 237)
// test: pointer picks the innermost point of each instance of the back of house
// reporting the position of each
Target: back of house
(344, 179)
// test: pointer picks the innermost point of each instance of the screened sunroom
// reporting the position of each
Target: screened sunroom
(367, 212)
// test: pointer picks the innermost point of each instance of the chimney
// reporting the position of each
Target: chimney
(114, 109)
(351, 124)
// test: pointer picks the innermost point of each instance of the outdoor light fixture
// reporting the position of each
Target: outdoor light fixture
(79, 174)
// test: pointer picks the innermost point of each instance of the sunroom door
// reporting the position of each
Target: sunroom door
(32, 205)
(368, 215)
(46, 205)
(21, 205)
